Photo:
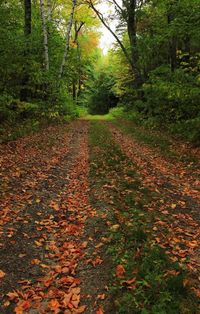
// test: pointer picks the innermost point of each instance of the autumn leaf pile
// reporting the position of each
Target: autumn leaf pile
(58, 223)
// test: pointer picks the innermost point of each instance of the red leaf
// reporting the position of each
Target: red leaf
(100, 311)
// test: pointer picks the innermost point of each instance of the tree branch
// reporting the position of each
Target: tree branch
(100, 16)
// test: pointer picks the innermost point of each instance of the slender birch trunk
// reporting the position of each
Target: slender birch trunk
(49, 8)
(45, 35)
(67, 39)
(77, 29)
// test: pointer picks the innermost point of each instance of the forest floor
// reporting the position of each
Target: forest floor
(99, 217)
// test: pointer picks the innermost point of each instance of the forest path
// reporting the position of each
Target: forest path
(65, 196)
(44, 207)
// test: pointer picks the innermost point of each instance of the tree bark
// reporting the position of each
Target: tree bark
(131, 27)
(67, 39)
(173, 40)
(77, 29)
(45, 35)
(49, 8)
(24, 92)
(27, 17)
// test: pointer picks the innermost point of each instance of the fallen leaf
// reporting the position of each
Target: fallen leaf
(101, 296)
(114, 228)
(100, 311)
(120, 271)
(54, 304)
(12, 295)
(2, 274)
(81, 309)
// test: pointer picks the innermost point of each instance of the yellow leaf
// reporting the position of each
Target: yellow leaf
(173, 206)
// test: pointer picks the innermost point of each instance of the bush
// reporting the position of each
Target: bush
(5, 112)
(189, 129)
(101, 95)
(117, 112)
(171, 97)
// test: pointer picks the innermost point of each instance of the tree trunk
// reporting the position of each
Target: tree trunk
(173, 40)
(131, 27)
(24, 92)
(74, 90)
(77, 29)
(49, 8)
(27, 17)
(67, 39)
(173, 57)
(45, 35)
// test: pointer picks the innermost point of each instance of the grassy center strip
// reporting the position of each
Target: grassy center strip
(144, 279)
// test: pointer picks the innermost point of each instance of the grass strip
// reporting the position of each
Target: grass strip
(154, 139)
(144, 279)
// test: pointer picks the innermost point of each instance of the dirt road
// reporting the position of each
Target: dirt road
(72, 197)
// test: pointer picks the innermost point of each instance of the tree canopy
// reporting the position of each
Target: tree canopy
(51, 61)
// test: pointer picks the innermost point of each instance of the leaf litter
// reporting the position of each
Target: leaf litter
(45, 208)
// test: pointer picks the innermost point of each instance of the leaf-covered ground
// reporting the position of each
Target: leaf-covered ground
(94, 219)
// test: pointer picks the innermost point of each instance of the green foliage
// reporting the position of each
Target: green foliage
(100, 95)
(171, 97)
(117, 112)
(22, 68)
(189, 129)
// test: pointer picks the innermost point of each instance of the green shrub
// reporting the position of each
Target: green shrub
(5, 112)
(189, 129)
(117, 112)
(171, 97)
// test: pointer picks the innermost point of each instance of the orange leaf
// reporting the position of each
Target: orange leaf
(54, 304)
(120, 271)
(54, 205)
(81, 309)
(75, 303)
(130, 281)
(101, 296)
(2, 274)
(192, 244)
(12, 295)
(35, 261)
(67, 298)
(100, 311)
(76, 290)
